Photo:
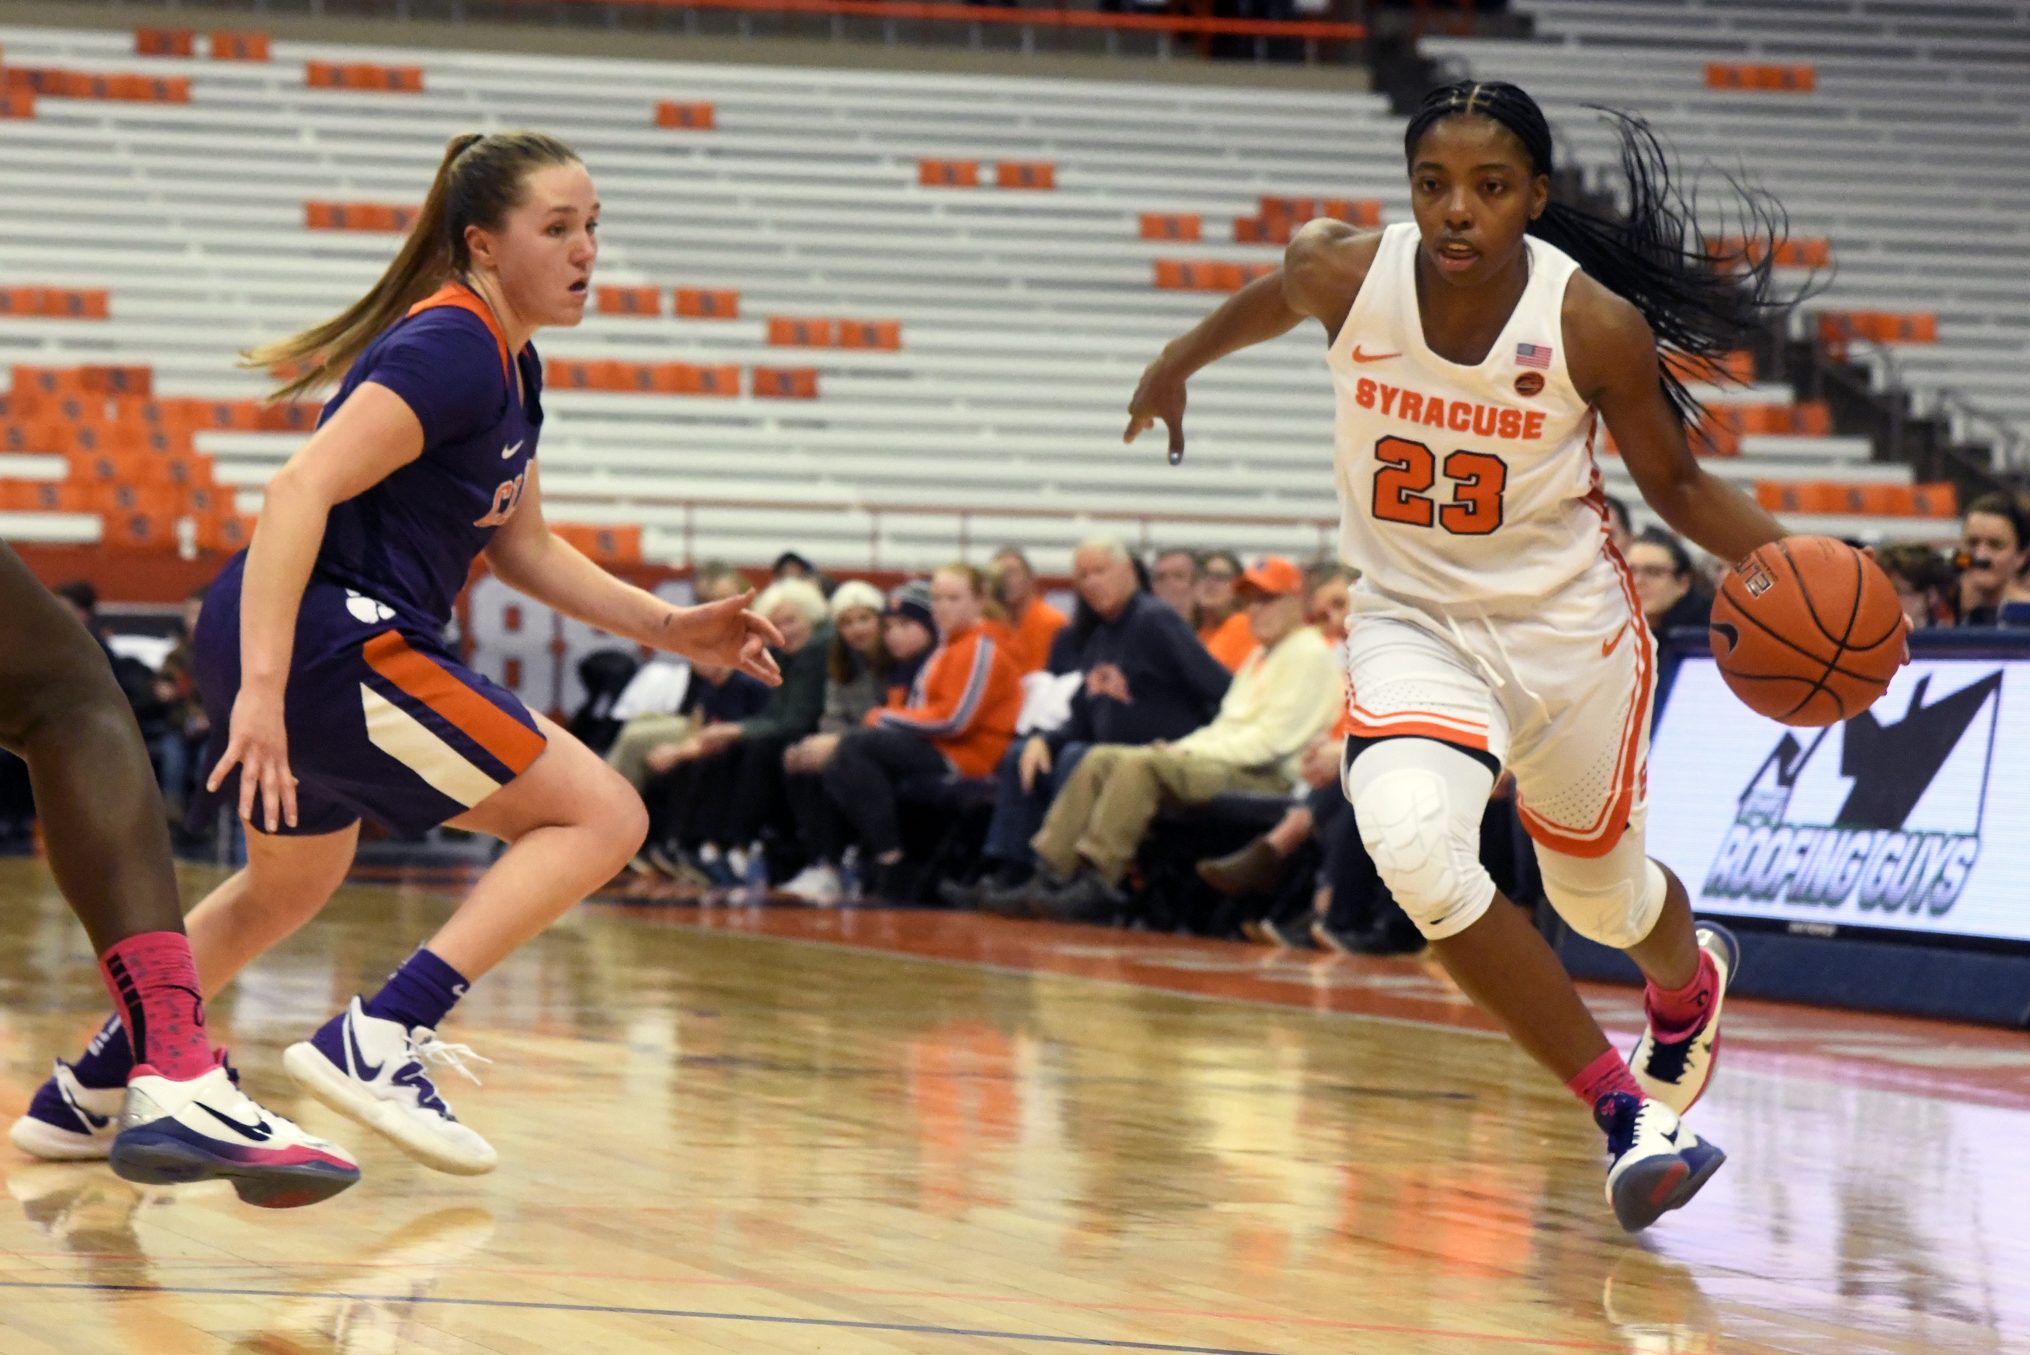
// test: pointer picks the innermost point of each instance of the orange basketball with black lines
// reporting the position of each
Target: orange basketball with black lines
(1807, 630)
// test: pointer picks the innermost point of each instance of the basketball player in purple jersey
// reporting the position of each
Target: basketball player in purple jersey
(176, 1114)
(320, 655)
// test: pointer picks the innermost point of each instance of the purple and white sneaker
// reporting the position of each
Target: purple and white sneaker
(68, 1121)
(1654, 1163)
(376, 1072)
(207, 1129)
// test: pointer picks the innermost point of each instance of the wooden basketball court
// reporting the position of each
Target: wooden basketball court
(778, 1130)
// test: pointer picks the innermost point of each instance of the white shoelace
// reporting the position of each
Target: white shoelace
(431, 1051)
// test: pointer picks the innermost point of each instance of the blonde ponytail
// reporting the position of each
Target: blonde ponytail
(477, 183)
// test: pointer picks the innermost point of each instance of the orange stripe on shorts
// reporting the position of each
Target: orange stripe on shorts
(514, 744)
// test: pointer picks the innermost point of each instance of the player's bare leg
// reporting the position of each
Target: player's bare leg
(108, 840)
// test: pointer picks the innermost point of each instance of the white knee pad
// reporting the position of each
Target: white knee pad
(1613, 899)
(1418, 804)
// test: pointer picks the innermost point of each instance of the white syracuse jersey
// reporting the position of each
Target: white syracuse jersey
(1471, 487)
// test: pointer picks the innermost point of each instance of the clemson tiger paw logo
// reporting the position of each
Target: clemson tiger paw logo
(365, 610)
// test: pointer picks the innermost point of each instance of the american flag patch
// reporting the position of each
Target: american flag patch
(1533, 355)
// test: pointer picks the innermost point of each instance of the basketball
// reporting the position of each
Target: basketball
(1807, 631)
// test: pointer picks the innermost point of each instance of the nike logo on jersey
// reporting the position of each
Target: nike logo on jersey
(507, 452)
(1613, 642)
(1359, 356)
(260, 1131)
(366, 1072)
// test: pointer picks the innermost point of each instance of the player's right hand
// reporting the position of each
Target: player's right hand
(258, 744)
(1159, 395)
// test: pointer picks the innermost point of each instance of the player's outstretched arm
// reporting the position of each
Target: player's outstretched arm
(530, 558)
(1614, 364)
(1311, 282)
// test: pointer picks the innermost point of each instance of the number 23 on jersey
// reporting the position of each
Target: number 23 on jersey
(1406, 472)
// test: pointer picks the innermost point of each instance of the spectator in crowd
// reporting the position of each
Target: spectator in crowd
(957, 719)
(1032, 622)
(1619, 531)
(1281, 698)
(1995, 542)
(708, 809)
(186, 728)
(791, 565)
(137, 680)
(1173, 578)
(1222, 621)
(857, 669)
(1329, 585)
(667, 698)
(1665, 581)
(1146, 677)
(1925, 584)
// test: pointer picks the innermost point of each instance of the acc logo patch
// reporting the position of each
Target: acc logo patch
(1529, 383)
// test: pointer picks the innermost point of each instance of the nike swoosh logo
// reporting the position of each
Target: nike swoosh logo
(366, 1072)
(1671, 1138)
(507, 452)
(260, 1131)
(95, 1121)
(1613, 642)
(1359, 356)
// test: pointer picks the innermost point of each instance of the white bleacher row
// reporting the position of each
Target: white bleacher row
(1907, 155)
(1027, 316)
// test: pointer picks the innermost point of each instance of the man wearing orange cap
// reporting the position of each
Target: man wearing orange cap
(1283, 696)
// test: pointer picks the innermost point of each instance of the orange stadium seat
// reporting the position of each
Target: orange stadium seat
(239, 46)
(882, 334)
(358, 216)
(1806, 252)
(224, 533)
(17, 103)
(702, 303)
(141, 529)
(1789, 79)
(65, 303)
(790, 332)
(948, 173)
(1838, 328)
(785, 383)
(1935, 500)
(164, 42)
(695, 117)
(1738, 366)
(630, 300)
(363, 76)
(607, 545)
(1025, 174)
(1207, 275)
(134, 380)
(1172, 226)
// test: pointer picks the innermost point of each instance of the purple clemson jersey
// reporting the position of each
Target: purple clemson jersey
(410, 540)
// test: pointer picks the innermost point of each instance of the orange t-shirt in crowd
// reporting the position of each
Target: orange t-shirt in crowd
(1030, 634)
(1231, 641)
(965, 700)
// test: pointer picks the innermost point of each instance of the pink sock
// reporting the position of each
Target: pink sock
(1678, 1012)
(1608, 1073)
(153, 980)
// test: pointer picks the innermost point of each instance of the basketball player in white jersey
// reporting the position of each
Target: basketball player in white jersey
(1473, 354)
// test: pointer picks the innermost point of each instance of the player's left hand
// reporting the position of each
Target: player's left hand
(724, 632)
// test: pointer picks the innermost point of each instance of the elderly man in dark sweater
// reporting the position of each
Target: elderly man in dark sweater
(1147, 677)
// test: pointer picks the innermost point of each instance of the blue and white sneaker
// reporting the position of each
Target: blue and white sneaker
(1655, 1164)
(377, 1072)
(1676, 1070)
(68, 1121)
(207, 1129)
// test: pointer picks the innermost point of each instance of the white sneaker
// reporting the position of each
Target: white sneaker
(1676, 1071)
(206, 1129)
(818, 884)
(1655, 1164)
(376, 1072)
(68, 1121)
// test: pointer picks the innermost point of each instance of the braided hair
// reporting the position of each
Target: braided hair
(1702, 295)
